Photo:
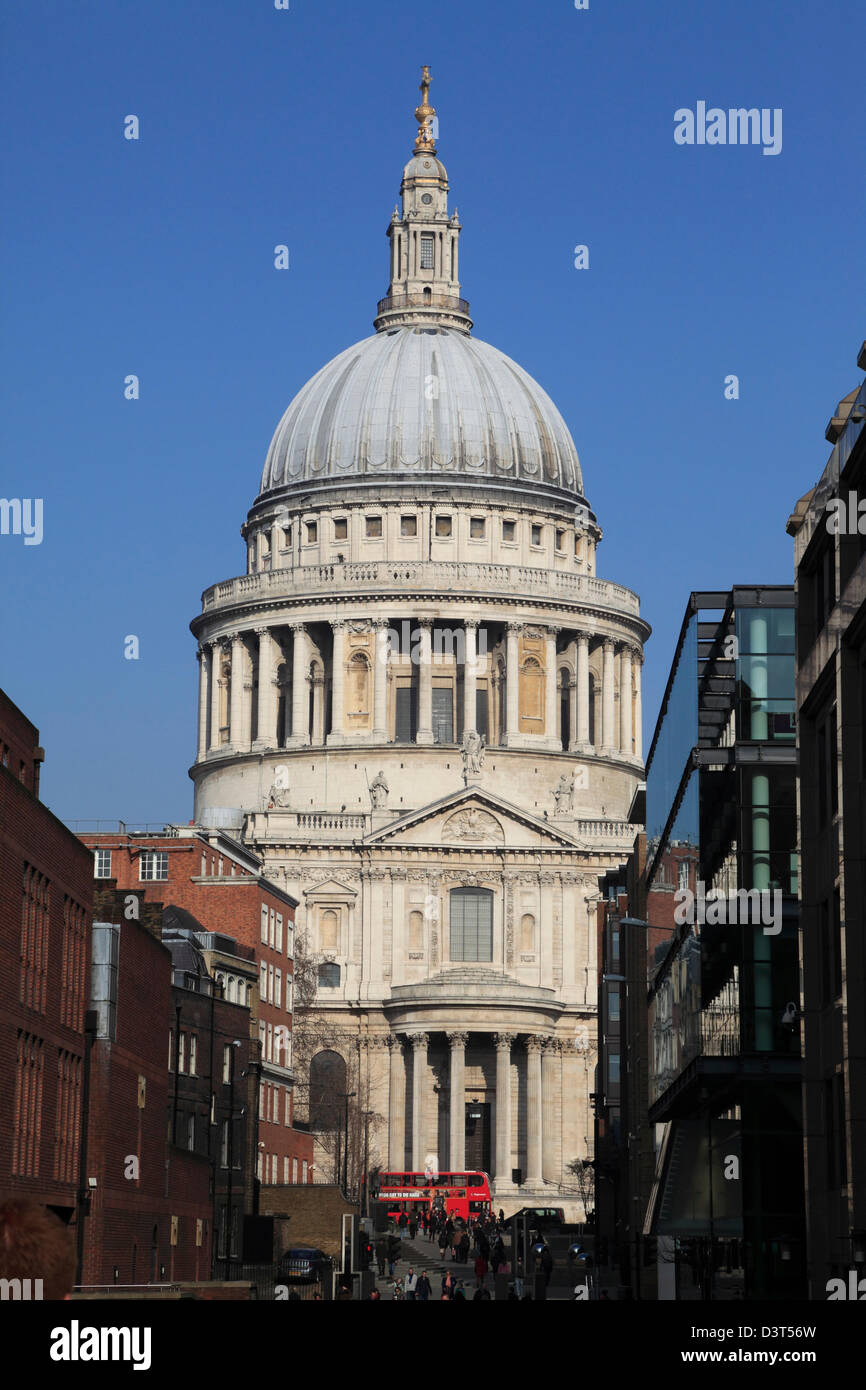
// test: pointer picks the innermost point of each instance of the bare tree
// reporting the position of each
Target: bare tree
(583, 1172)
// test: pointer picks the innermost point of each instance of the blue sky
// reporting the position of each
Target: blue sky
(260, 127)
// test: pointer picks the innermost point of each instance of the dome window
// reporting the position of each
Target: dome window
(535, 535)
(341, 528)
(287, 538)
(560, 540)
(443, 526)
(509, 531)
(312, 532)
(426, 251)
(476, 528)
(373, 527)
(408, 525)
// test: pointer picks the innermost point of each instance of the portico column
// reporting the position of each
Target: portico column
(551, 1078)
(236, 708)
(382, 656)
(638, 713)
(550, 689)
(201, 657)
(503, 1043)
(300, 736)
(512, 693)
(419, 1076)
(266, 736)
(425, 682)
(396, 1105)
(582, 721)
(338, 683)
(608, 736)
(625, 735)
(470, 667)
(533, 1111)
(457, 1088)
(215, 662)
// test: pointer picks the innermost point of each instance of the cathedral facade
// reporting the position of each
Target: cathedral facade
(422, 707)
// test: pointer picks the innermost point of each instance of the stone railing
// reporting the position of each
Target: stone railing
(304, 825)
(437, 576)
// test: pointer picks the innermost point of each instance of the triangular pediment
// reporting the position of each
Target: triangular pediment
(330, 888)
(472, 818)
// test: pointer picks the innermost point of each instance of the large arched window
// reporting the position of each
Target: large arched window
(471, 921)
(329, 975)
(327, 1090)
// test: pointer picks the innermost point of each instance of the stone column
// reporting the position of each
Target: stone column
(551, 1087)
(581, 724)
(396, 1105)
(470, 669)
(201, 657)
(216, 653)
(236, 710)
(638, 713)
(425, 682)
(382, 656)
(267, 708)
(300, 735)
(317, 734)
(512, 687)
(338, 684)
(419, 1077)
(457, 1088)
(533, 1108)
(625, 734)
(502, 1165)
(608, 734)
(550, 688)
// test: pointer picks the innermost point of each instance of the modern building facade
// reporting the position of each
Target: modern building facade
(422, 707)
(724, 1018)
(829, 530)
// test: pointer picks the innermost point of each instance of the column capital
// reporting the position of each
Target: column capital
(419, 1040)
(337, 624)
(298, 629)
(515, 627)
(609, 644)
(456, 1041)
(394, 1042)
(425, 622)
(554, 1046)
(236, 637)
(381, 623)
(534, 1043)
(552, 629)
(200, 652)
(473, 623)
(262, 632)
(504, 1041)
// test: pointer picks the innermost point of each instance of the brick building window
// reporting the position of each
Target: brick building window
(193, 1052)
(153, 866)
(278, 989)
(27, 1112)
(263, 980)
(102, 863)
(264, 923)
(33, 953)
(279, 938)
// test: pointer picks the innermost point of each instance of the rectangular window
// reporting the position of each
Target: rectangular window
(341, 528)
(290, 993)
(476, 528)
(263, 982)
(285, 1169)
(408, 525)
(103, 863)
(269, 1051)
(190, 1133)
(193, 1053)
(181, 1053)
(509, 530)
(536, 535)
(312, 532)
(287, 1107)
(613, 1068)
(613, 1004)
(405, 723)
(286, 537)
(227, 1064)
(279, 939)
(264, 923)
(373, 527)
(303, 1170)
(471, 924)
(153, 866)
(560, 540)
(278, 989)
(273, 934)
(443, 715)
(443, 526)
(426, 251)
(294, 1170)
(270, 984)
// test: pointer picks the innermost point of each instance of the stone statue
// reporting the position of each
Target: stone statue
(563, 795)
(379, 790)
(473, 752)
(278, 797)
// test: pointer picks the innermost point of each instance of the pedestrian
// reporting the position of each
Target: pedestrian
(501, 1217)
(393, 1254)
(398, 1294)
(374, 1296)
(443, 1242)
(460, 1292)
(423, 1288)
(546, 1264)
(480, 1270)
(479, 1294)
(411, 1284)
(464, 1248)
(381, 1248)
(413, 1227)
(402, 1223)
(449, 1284)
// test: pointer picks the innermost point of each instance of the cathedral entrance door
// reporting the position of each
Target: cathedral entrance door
(478, 1155)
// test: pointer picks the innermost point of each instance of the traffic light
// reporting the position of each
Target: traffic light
(362, 1246)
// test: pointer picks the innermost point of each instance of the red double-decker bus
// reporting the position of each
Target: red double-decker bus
(462, 1195)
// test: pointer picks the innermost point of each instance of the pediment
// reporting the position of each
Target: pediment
(330, 888)
(474, 818)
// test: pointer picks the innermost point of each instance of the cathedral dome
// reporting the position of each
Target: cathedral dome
(425, 403)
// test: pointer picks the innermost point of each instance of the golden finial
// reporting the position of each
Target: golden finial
(424, 142)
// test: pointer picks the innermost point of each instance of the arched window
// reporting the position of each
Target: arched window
(565, 707)
(471, 922)
(327, 1090)
(532, 696)
(358, 702)
(527, 933)
(328, 927)
(416, 931)
(329, 975)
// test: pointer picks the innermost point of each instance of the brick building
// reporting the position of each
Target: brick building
(149, 1217)
(46, 891)
(212, 876)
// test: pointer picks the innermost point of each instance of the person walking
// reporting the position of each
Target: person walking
(393, 1254)
(402, 1223)
(449, 1284)
(413, 1226)
(423, 1288)
(480, 1270)
(546, 1264)
(381, 1249)
(443, 1242)
(411, 1285)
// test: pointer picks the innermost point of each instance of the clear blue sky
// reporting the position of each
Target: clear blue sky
(259, 127)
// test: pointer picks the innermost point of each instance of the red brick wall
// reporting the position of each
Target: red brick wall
(19, 741)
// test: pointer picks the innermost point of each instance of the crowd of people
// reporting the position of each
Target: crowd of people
(481, 1239)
